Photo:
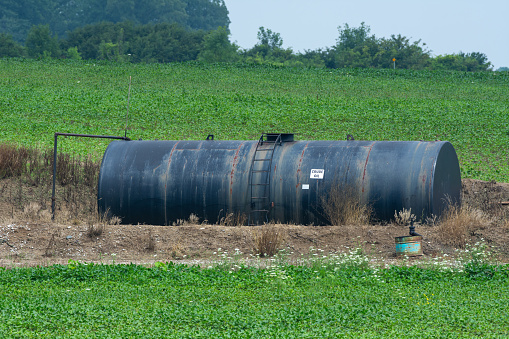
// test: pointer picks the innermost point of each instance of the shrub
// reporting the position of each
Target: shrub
(268, 240)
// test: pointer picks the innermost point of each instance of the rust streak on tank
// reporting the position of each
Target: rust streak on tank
(300, 160)
(235, 162)
(166, 182)
(300, 163)
(366, 165)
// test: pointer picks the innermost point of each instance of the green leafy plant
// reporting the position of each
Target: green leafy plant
(180, 101)
(325, 295)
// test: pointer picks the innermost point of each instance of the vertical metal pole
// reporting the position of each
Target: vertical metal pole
(54, 178)
(55, 160)
(128, 99)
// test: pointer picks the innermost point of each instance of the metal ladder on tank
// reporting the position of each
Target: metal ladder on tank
(259, 178)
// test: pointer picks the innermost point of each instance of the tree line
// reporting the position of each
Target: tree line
(63, 16)
(129, 41)
(357, 48)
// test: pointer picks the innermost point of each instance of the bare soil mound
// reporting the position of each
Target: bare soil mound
(28, 237)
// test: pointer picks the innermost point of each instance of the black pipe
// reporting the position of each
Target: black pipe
(55, 159)
(412, 230)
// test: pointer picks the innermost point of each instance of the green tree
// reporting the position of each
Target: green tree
(159, 11)
(41, 43)
(165, 43)
(268, 48)
(467, 62)
(408, 55)
(476, 61)
(62, 16)
(71, 14)
(11, 23)
(447, 62)
(217, 47)
(353, 37)
(119, 10)
(73, 54)
(270, 39)
(207, 14)
(313, 58)
(354, 47)
(10, 48)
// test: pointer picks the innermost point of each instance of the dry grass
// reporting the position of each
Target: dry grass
(53, 245)
(27, 176)
(404, 217)
(31, 211)
(233, 219)
(95, 231)
(487, 197)
(176, 251)
(13, 160)
(193, 220)
(175, 245)
(343, 206)
(268, 239)
(505, 224)
(150, 242)
(457, 224)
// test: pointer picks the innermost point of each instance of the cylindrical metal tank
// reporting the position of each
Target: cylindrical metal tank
(159, 182)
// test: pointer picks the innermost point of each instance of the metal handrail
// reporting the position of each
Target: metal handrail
(55, 159)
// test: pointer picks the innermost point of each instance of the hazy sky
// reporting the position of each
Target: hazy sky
(446, 26)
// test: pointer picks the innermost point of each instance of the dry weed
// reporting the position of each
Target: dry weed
(106, 218)
(343, 206)
(233, 219)
(114, 220)
(268, 239)
(431, 220)
(193, 220)
(27, 175)
(95, 231)
(147, 242)
(176, 250)
(404, 217)
(53, 245)
(458, 223)
(179, 222)
(505, 224)
(13, 160)
(486, 196)
(32, 211)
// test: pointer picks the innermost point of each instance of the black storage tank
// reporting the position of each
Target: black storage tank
(276, 178)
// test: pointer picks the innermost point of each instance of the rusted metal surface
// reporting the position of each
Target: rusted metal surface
(159, 182)
(409, 245)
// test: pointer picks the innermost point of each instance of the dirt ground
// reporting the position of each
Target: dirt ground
(24, 242)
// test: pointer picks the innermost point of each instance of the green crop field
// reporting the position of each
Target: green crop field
(191, 100)
(342, 296)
